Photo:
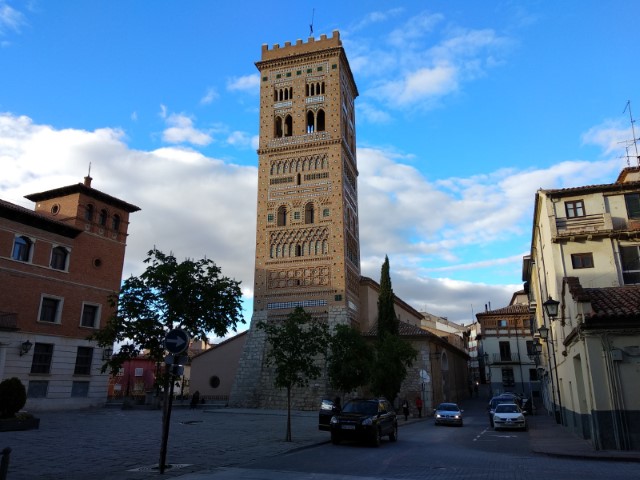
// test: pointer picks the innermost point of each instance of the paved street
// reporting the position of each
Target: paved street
(220, 444)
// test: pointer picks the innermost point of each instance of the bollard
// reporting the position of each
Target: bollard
(4, 463)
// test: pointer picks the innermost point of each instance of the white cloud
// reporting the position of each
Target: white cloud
(180, 129)
(210, 95)
(611, 136)
(248, 83)
(11, 20)
(197, 206)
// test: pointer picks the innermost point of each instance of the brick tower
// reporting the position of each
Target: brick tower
(307, 243)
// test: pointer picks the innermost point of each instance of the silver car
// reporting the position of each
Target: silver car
(509, 415)
(448, 414)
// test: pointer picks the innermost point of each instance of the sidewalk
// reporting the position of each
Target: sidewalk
(549, 438)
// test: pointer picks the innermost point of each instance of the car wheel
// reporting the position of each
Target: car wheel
(393, 436)
(335, 438)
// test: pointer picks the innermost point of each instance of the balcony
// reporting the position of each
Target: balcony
(583, 227)
(497, 358)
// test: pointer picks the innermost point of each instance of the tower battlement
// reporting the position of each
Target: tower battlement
(300, 47)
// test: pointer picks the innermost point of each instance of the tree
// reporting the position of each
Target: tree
(191, 295)
(387, 320)
(350, 359)
(294, 343)
(393, 355)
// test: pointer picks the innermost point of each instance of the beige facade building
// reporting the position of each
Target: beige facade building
(585, 254)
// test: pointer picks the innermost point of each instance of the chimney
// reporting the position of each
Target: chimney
(87, 181)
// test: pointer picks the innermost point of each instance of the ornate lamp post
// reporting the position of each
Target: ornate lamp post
(551, 309)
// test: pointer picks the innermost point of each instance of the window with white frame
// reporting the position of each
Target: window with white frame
(42, 355)
(630, 260)
(50, 309)
(90, 315)
(574, 208)
(59, 257)
(22, 249)
(84, 358)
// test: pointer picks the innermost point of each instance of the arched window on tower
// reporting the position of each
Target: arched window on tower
(299, 251)
(115, 223)
(288, 126)
(325, 247)
(308, 213)
(310, 122)
(102, 218)
(88, 212)
(278, 127)
(320, 121)
(282, 216)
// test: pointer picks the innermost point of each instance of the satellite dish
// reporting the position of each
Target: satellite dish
(424, 376)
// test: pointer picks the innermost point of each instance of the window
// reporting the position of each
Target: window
(325, 212)
(42, 354)
(88, 213)
(320, 121)
(21, 249)
(80, 389)
(531, 349)
(507, 377)
(50, 309)
(574, 209)
(282, 216)
(139, 371)
(630, 264)
(90, 315)
(582, 260)
(296, 215)
(505, 351)
(37, 388)
(632, 200)
(59, 258)
(533, 375)
(84, 358)
(270, 217)
(115, 223)
(102, 218)
(308, 213)
(503, 323)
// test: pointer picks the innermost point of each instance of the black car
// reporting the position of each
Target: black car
(365, 419)
(328, 408)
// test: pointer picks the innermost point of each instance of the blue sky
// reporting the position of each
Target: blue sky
(466, 108)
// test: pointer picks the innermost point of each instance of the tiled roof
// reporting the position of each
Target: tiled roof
(30, 217)
(517, 309)
(81, 188)
(614, 304)
(405, 329)
(606, 187)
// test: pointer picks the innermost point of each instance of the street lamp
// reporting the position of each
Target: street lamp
(551, 308)
(25, 347)
(107, 353)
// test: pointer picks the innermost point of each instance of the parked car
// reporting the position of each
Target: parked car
(328, 408)
(509, 415)
(502, 398)
(365, 419)
(448, 414)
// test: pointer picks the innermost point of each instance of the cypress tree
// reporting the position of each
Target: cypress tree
(387, 320)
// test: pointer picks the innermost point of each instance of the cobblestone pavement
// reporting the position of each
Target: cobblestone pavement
(109, 444)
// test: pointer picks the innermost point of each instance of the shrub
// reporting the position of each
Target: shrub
(13, 396)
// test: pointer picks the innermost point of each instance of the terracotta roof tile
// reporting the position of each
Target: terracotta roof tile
(614, 303)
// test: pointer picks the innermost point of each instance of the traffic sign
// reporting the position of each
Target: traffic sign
(176, 341)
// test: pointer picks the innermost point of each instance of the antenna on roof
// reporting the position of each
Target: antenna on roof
(89, 174)
(313, 13)
(633, 132)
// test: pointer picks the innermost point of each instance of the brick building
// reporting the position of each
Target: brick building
(58, 266)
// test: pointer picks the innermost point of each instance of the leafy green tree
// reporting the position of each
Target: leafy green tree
(393, 357)
(294, 343)
(350, 359)
(190, 295)
(387, 320)
(13, 396)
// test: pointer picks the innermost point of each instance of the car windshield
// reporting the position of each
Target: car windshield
(506, 408)
(365, 407)
(448, 407)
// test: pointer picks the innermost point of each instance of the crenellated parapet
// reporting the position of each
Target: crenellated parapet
(301, 48)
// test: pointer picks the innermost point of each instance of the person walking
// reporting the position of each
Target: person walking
(195, 399)
(419, 406)
(405, 409)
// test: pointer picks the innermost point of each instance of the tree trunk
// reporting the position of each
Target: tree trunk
(288, 437)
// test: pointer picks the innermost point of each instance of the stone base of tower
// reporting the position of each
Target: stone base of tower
(254, 383)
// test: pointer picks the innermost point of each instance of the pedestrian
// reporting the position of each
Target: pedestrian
(405, 409)
(195, 399)
(419, 406)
